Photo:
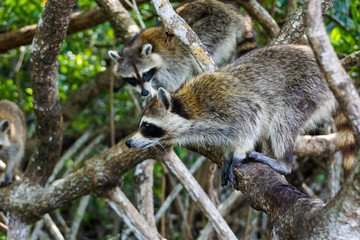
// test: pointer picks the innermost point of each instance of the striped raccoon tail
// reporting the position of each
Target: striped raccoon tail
(248, 41)
(346, 140)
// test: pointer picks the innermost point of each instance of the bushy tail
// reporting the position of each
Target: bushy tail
(346, 140)
(248, 42)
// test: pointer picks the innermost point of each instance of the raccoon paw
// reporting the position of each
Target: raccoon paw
(5, 184)
(225, 173)
(235, 163)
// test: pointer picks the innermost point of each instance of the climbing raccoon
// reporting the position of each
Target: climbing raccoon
(12, 138)
(269, 95)
(148, 62)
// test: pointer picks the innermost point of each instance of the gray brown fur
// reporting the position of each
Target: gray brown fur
(270, 95)
(221, 27)
(12, 138)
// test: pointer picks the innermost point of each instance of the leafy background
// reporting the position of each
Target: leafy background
(84, 54)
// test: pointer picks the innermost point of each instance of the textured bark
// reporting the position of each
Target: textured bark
(78, 22)
(49, 36)
(29, 202)
(294, 28)
(351, 60)
(17, 230)
(175, 25)
(143, 178)
(259, 13)
(120, 19)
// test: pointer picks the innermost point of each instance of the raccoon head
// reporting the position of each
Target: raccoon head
(160, 123)
(4, 135)
(137, 64)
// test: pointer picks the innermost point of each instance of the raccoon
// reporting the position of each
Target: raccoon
(148, 62)
(12, 138)
(269, 95)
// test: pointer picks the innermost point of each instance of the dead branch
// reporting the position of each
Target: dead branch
(53, 229)
(223, 208)
(124, 208)
(322, 146)
(176, 25)
(79, 216)
(259, 13)
(197, 194)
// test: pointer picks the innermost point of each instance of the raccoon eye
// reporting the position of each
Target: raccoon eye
(151, 131)
(147, 76)
(131, 80)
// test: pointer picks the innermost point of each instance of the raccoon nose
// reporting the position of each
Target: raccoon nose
(144, 92)
(128, 143)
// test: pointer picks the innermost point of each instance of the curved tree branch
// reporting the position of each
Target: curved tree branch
(259, 13)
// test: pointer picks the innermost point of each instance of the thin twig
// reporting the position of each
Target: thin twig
(124, 208)
(248, 219)
(54, 230)
(176, 190)
(71, 151)
(79, 216)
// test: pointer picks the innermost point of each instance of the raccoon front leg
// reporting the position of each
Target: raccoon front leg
(225, 170)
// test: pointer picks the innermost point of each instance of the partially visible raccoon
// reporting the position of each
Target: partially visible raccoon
(12, 138)
(269, 95)
(147, 61)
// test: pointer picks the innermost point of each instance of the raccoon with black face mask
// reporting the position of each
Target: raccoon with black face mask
(147, 62)
(270, 96)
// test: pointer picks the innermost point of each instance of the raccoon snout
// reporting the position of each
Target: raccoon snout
(128, 143)
(144, 92)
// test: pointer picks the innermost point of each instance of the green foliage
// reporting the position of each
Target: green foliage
(84, 54)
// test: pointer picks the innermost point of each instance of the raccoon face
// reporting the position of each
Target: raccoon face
(159, 125)
(4, 135)
(137, 65)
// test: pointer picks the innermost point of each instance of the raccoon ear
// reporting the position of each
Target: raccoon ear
(4, 126)
(164, 98)
(114, 55)
(146, 49)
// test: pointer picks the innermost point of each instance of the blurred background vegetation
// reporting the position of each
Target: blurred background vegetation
(84, 54)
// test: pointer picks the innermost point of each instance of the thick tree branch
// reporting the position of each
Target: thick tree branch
(78, 22)
(175, 25)
(294, 28)
(259, 13)
(48, 39)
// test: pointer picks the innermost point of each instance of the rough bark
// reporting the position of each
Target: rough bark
(143, 179)
(294, 28)
(175, 25)
(49, 36)
(351, 60)
(259, 13)
(29, 202)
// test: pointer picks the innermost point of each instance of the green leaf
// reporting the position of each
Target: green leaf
(335, 35)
